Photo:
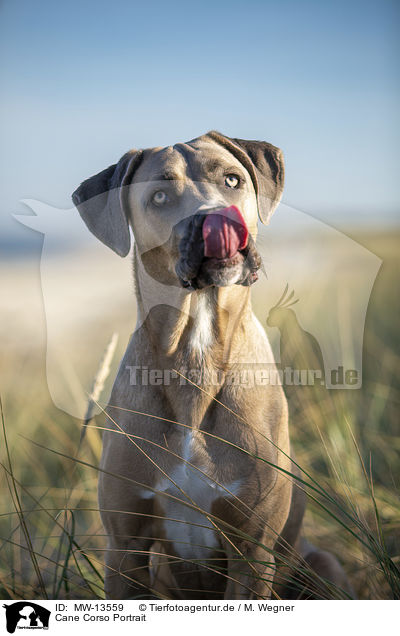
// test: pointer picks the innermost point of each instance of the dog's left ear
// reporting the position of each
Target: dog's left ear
(102, 202)
(264, 162)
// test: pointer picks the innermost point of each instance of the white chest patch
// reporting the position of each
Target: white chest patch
(201, 335)
(188, 524)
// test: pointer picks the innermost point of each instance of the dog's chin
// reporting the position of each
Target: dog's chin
(221, 272)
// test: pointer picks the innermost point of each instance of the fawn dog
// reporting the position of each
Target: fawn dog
(195, 471)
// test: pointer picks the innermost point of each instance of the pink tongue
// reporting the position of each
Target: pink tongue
(224, 233)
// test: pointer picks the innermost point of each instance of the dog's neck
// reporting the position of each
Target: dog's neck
(197, 328)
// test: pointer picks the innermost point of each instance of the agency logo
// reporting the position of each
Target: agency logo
(26, 615)
(311, 298)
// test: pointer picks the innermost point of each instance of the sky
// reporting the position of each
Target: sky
(84, 81)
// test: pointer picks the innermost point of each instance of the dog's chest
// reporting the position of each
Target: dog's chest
(186, 496)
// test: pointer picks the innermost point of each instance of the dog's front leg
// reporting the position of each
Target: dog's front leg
(250, 572)
(251, 562)
(127, 569)
(127, 521)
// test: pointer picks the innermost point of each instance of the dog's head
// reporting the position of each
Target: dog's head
(193, 208)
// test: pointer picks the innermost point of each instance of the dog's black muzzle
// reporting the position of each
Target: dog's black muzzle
(196, 271)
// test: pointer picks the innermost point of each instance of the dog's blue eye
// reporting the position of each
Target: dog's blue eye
(159, 197)
(232, 181)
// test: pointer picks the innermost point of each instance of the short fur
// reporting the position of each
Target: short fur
(205, 466)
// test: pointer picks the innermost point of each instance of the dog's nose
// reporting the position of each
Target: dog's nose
(224, 232)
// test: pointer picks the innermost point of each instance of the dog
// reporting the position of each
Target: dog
(197, 487)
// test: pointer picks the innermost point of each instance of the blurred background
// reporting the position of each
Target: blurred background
(85, 81)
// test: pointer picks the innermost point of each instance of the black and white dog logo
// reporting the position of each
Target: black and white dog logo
(26, 615)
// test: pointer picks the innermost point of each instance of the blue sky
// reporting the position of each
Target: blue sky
(85, 81)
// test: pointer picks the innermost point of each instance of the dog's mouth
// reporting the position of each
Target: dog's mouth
(224, 233)
(217, 249)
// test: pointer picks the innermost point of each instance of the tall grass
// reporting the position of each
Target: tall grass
(47, 555)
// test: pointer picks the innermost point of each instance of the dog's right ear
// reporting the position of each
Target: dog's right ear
(265, 165)
(102, 202)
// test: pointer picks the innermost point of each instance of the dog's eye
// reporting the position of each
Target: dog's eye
(159, 197)
(232, 181)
